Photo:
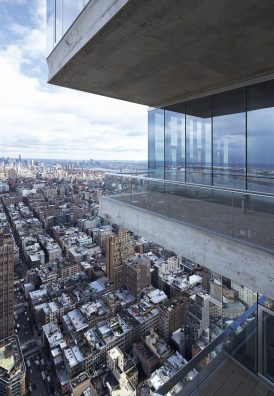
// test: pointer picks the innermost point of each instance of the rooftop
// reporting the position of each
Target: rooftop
(53, 334)
(73, 355)
(11, 359)
(77, 320)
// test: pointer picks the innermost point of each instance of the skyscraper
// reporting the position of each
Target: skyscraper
(6, 283)
(137, 274)
(118, 248)
(197, 320)
(206, 71)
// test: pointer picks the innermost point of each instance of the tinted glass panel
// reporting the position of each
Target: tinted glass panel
(260, 137)
(268, 345)
(229, 139)
(58, 20)
(198, 141)
(71, 9)
(156, 134)
(175, 143)
(50, 26)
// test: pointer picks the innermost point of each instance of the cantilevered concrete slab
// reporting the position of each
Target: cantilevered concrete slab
(242, 263)
(158, 51)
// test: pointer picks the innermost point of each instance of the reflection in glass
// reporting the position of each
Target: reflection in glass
(50, 25)
(156, 133)
(260, 137)
(198, 141)
(228, 301)
(266, 302)
(229, 139)
(175, 143)
(243, 141)
(216, 306)
(268, 345)
(71, 9)
(58, 20)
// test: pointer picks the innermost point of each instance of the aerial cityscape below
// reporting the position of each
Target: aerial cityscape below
(96, 306)
(136, 198)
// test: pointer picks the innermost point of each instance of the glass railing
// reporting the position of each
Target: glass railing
(242, 215)
(239, 341)
(60, 16)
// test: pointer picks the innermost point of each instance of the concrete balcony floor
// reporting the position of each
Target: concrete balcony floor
(232, 379)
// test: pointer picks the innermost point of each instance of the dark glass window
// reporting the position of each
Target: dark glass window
(229, 152)
(260, 137)
(175, 142)
(198, 141)
(156, 134)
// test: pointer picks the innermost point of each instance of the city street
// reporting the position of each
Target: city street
(31, 348)
(39, 387)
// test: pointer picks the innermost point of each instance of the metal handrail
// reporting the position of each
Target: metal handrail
(209, 348)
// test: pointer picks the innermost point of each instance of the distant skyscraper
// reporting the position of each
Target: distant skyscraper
(6, 283)
(118, 249)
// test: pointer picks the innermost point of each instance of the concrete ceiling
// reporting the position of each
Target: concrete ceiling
(156, 52)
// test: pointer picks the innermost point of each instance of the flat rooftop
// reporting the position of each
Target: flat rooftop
(11, 359)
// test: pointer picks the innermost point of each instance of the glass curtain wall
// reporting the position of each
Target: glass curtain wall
(175, 143)
(229, 128)
(60, 16)
(266, 338)
(156, 145)
(260, 137)
(225, 140)
(198, 141)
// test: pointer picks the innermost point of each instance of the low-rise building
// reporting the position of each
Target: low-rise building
(74, 361)
(117, 381)
(160, 376)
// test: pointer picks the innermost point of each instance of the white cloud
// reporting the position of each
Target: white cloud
(38, 120)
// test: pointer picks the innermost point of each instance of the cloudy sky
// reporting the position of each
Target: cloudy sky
(42, 121)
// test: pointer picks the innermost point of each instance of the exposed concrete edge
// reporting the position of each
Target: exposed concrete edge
(243, 264)
(95, 15)
(259, 78)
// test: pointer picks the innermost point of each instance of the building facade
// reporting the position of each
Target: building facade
(6, 283)
(118, 249)
(137, 275)
(12, 368)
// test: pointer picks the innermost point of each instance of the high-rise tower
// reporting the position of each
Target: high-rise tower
(118, 249)
(6, 283)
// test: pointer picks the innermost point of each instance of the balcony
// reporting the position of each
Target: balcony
(228, 231)
(152, 53)
(227, 366)
(61, 14)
